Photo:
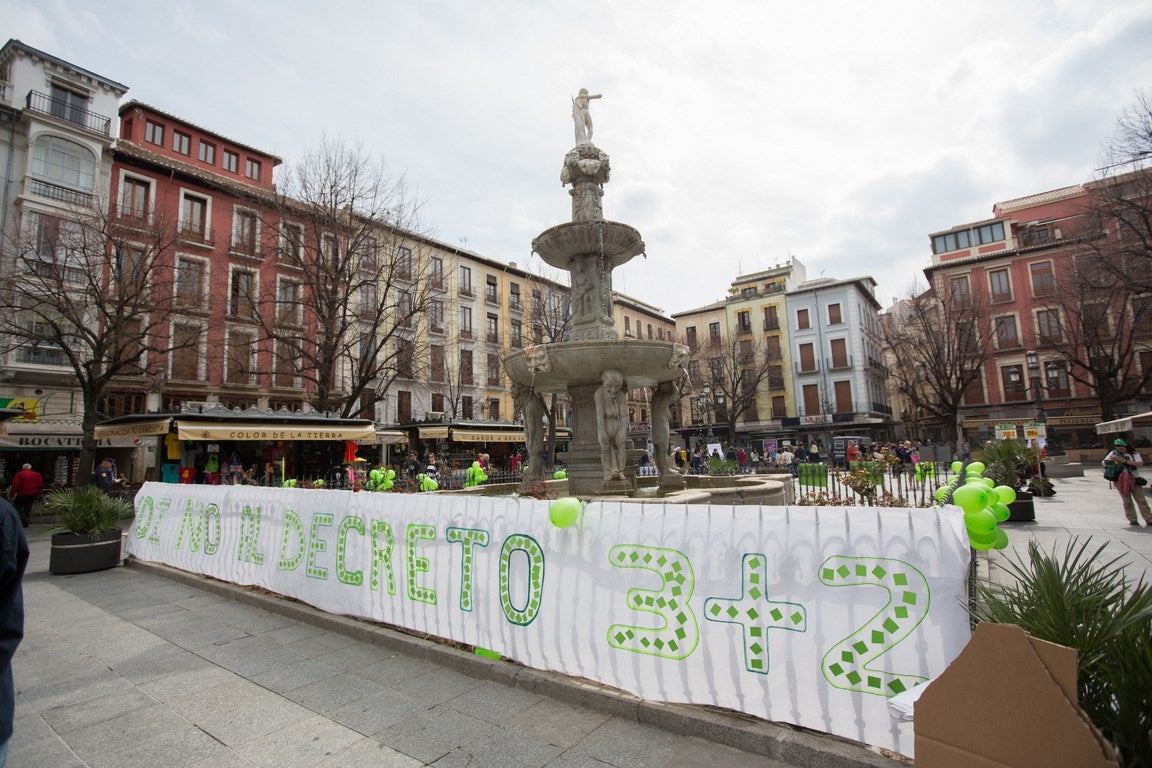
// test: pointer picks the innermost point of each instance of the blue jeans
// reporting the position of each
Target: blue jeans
(4, 753)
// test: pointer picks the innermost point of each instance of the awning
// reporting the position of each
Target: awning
(488, 436)
(222, 430)
(391, 436)
(139, 429)
(433, 433)
(1123, 425)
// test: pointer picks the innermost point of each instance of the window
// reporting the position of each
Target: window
(287, 364)
(403, 262)
(405, 308)
(842, 390)
(494, 409)
(516, 335)
(43, 349)
(492, 329)
(807, 358)
(190, 281)
(839, 353)
(69, 105)
(403, 358)
(369, 299)
(491, 292)
(135, 198)
(240, 364)
(291, 244)
(465, 281)
(242, 293)
(959, 290)
(1012, 377)
(404, 407)
(185, 360)
(1097, 325)
(772, 348)
(64, 162)
(999, 285)
(245, 228)
(775, 377)
(55, 244)
(231, 161)
(130, 267)
(749, 292)
(436, 363)
(288, 305)
(436, 315)
(1043, 281)
(694, 370)
(811, 393)
(181, 142)
(153, 132)
(714, 334)
(194, 217)
(1006, 336)
(437, 269)
(437, 402)
(743, 321)
(1048, 326)
(690, 337)
(771, 321)
(966, 238)
(779, 410)
(465, 322)
(493, 369)
(329, 248)
(466, 407)
(252, 168)
(974, 392)
(1056, 379)
(649, 331)
(369, 252)
(514, 296)
(802, 320)
(466, 373)
(834, 314)
(1142, 316)
(207, 152)
(628, 326)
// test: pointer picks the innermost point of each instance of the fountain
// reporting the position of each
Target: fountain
(594, 366)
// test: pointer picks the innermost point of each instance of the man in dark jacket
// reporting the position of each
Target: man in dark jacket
(13, 560)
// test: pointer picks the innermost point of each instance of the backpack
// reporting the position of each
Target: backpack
(1112, 471)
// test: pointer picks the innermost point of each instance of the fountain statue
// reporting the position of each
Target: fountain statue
(593, 365)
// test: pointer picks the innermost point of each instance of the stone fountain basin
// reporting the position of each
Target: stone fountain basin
(557, 246)
(642, 363)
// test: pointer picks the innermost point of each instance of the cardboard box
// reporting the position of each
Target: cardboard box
(1008, 699)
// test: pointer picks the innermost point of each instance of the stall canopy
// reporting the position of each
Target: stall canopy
(221, 424)
(145, 428)
(1125, 424)
(198, 430)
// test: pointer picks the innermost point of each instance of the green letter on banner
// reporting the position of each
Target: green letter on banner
(317, 544)
(292, 524)
(352, 578)
(246, 551)
(468, 538)
(192, 526)
(530, 547)
(382, 555)
(417, 564)
(678, 636)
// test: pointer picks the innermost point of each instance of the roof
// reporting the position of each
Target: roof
(1039, 198)
(134, 104)
(14, 44)
(700, 310)
(812, 286)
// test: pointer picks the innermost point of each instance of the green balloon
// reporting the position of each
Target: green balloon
(981, 546)
(1001, 540)
(970, 498)
(976, 468)
(1006, 494)
(985, 539)
(1000, 511)
(559, 474)
(564, 511)
(983, 521)
(957, 466)
(941, 493)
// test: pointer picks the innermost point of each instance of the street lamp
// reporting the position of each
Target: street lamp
(1034, 378)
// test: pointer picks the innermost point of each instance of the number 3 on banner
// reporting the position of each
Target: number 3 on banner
(678, 636)
(846, 665)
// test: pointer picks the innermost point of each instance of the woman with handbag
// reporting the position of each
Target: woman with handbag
(1122, 466)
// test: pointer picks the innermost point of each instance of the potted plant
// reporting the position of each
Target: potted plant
(90, 540)
(1008, 462)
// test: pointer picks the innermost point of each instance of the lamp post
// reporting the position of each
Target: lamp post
(1034, 379)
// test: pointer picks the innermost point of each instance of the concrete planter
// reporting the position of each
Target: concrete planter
(84, 553)
(1023, 510)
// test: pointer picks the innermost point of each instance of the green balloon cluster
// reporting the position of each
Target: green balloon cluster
(380, 480)
(985, 506)
(565, 511)
(475, 475)
(560, 474)
(290, 482)
(426, 483)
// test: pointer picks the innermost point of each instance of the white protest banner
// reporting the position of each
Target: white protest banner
(806, 615)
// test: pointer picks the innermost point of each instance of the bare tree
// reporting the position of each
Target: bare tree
(734, 368)
(551, 318)
(941, 345)
(1102, 327)
(90, 290)
(349, 229)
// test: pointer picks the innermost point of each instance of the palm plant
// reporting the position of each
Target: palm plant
(1080, 599)
(87, 510)
(1006, 461)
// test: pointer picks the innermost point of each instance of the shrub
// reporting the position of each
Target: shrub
(87, 510)
(1078, 599)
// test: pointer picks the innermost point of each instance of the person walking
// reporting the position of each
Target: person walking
(1129, 483)
(13, 560)
(25, 489)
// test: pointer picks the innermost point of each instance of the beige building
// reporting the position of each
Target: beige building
(638, 320)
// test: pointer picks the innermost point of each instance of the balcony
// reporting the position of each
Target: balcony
(514, 303)
(466, 290)
(58, 193)
(436, 328)
(838, 363)
(196, 234)
(771, 325)
(44, 104)
(813, 366)
(492, 297)
(436, 283)
(466, 335)
(492, 338)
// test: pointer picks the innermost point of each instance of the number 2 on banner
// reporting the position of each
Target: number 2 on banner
(846, 666)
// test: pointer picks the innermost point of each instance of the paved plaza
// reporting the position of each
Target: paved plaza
(144, 666)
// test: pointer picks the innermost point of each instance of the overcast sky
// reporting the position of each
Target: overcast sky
(740, 133)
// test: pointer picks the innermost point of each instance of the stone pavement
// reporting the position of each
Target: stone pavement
(146, 666)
